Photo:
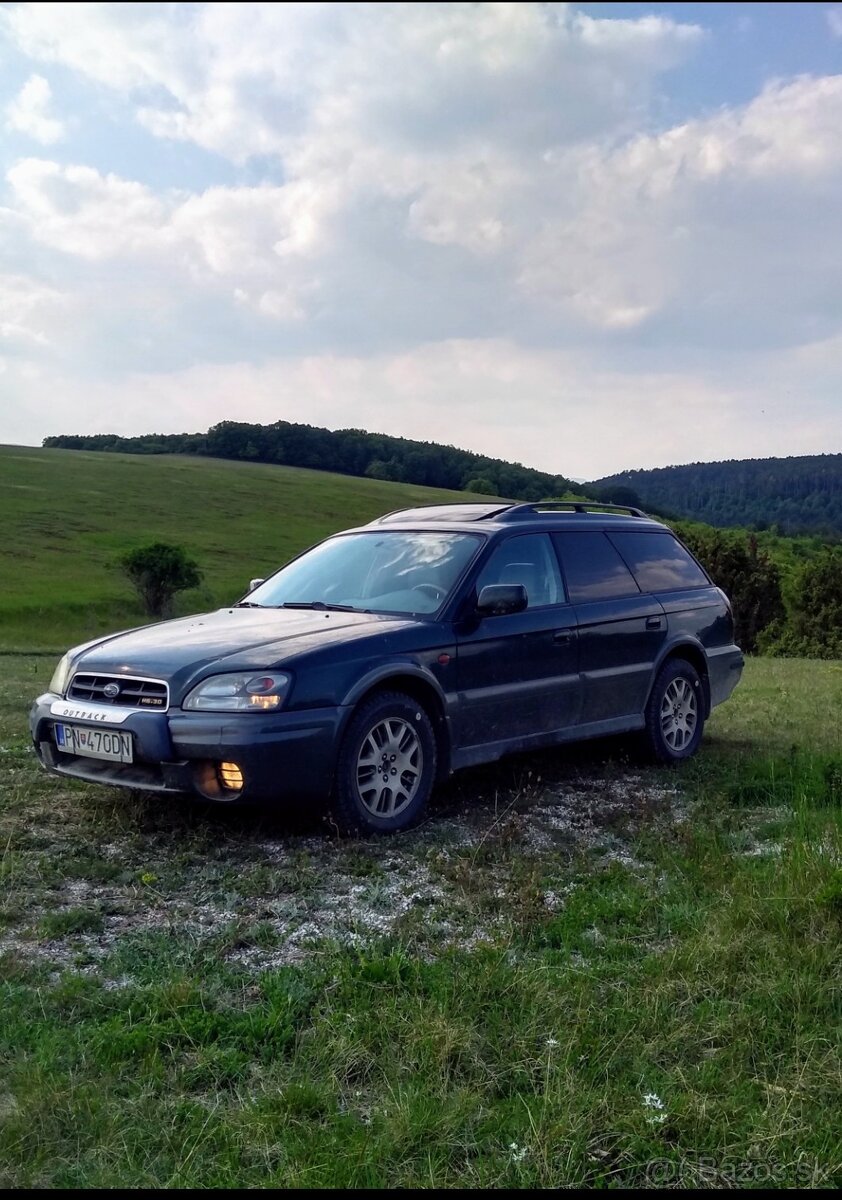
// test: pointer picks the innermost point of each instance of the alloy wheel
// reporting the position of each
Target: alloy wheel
(389, 767)
(679, 714)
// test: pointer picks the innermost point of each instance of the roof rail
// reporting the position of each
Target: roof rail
(476, 510)
(578, 506)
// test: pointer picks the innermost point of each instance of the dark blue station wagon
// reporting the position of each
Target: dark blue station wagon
(388, 656)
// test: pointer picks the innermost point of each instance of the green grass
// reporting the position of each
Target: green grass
(577, 972)
(68, 516)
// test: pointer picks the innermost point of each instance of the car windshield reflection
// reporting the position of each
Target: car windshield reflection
(392, 571)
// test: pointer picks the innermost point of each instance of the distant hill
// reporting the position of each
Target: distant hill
(344, 451)
(796, 495)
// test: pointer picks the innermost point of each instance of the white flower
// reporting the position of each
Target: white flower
(551, 1042)
(518, 1152)
(651, 1100)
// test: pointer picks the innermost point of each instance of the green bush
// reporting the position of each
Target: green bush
(748, 576)
(158, 571)
(481, 485)
(814, 629)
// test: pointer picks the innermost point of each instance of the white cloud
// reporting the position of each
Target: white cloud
(438, 114)
(123, 46)
(610, 237)
(27, 309)
(237, 239)
(29, 112)
(834, 21)
(245, 79)
(457, 195)
(708, 216)
(80, 211)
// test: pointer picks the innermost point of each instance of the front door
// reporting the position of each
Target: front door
(518, 674)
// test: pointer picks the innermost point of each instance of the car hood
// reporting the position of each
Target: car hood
(230, 639)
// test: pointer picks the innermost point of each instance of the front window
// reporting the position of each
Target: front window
(530, 561)
(388, 571)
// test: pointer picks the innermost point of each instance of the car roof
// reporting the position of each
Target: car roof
(554, 514)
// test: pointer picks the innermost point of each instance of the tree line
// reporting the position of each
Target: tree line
(793, 495)
(345, 451)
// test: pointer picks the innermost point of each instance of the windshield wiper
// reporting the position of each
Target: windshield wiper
(320, 605)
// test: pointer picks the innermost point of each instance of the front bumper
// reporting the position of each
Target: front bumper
(283, 756)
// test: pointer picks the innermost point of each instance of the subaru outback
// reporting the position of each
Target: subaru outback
(387, 657)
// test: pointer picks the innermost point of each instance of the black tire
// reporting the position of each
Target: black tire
(387, 730)
(667, 737)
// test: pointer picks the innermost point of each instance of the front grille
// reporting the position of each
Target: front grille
(133, 692)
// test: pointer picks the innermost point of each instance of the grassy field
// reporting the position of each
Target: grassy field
(578, 971)
(68, 515)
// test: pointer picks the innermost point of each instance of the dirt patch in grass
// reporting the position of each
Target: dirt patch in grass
(87, 874)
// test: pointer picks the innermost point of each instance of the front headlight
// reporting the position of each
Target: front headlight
(61, 675)
(249, 691)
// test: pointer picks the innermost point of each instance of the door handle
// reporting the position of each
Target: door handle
(563, 636)
(653, 622)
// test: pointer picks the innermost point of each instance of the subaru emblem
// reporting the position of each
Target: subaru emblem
(111, 690)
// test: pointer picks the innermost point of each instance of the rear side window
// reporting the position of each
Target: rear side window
(659, 562)
(593, 568)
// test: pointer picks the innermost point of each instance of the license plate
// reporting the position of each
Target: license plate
(109, 744)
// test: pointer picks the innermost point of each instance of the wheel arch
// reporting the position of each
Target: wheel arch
(692, 652)
(421, 686)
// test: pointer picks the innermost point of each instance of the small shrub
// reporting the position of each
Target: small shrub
(158, 571)
(482, 485)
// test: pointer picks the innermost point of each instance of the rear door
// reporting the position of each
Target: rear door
(621, 630)
(518, 674)
(695, 609)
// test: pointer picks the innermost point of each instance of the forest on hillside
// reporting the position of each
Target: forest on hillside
(792, 495)
(345, 451)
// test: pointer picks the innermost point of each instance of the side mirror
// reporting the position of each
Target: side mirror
(500, 599)
(253, 583)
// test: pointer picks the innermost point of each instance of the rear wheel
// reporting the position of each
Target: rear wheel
(675, 713)
(386, 767)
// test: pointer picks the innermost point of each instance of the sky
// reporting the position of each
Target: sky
(584, 237)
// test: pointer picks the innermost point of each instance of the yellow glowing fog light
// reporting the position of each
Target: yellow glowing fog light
(231, 776)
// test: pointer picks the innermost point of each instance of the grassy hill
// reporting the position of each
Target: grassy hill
(802, 494)
(67, 515)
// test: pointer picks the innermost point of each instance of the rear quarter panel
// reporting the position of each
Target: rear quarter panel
(701, 617)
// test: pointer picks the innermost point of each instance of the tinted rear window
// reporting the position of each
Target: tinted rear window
(659, 562)
(593, 568)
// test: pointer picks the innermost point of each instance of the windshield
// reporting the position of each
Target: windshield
(389, 571)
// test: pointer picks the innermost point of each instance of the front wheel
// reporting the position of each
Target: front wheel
(386, 767)
(675, 713)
